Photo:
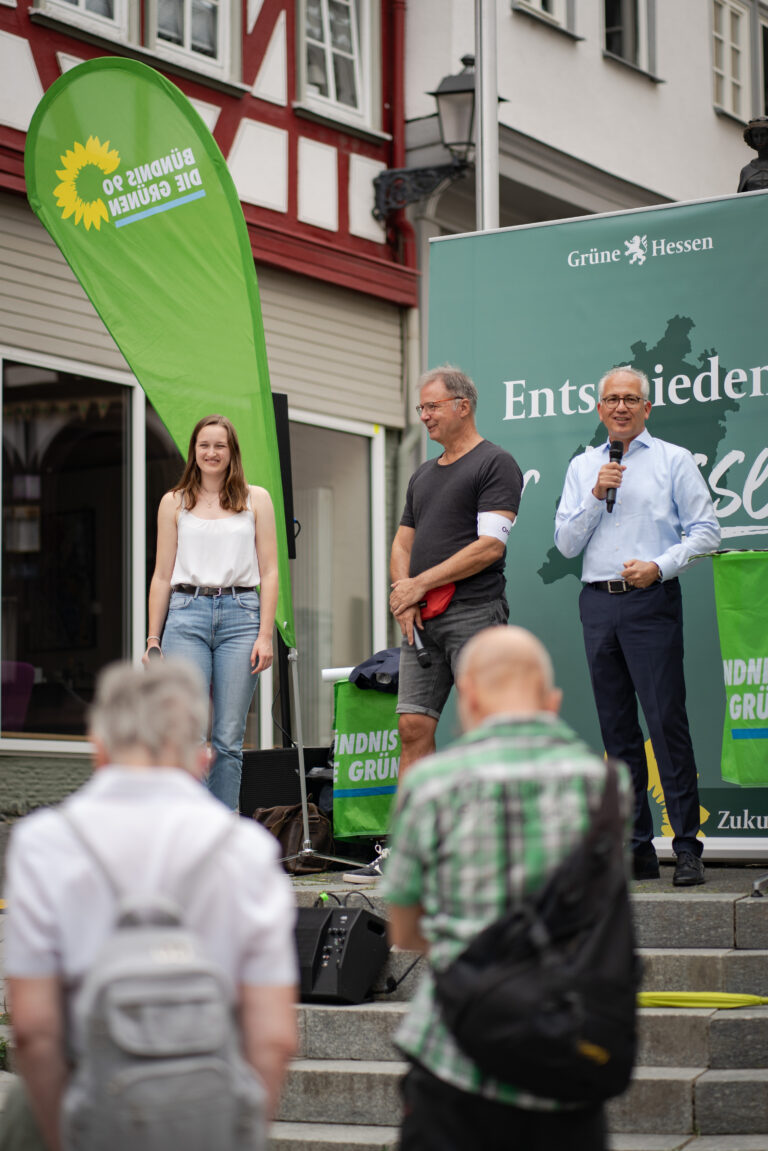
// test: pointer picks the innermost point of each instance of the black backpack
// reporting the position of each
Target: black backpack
(545, 998)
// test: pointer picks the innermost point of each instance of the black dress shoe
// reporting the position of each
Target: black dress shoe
(689, 871)
(645, 865)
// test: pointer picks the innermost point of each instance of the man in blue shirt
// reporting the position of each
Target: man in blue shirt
(631, 606)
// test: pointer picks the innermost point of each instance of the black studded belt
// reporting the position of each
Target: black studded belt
(193, 589)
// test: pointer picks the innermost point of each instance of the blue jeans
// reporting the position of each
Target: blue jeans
(217, 633)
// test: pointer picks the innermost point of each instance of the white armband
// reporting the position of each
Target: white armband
(492, 524)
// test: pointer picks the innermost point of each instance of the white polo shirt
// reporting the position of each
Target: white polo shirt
(153, 826)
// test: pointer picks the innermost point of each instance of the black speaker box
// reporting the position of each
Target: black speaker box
(271, 778)
(341, 952)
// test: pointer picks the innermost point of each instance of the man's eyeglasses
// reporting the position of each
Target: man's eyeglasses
(434, 405)
(627, 401)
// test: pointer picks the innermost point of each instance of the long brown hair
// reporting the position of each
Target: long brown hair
(234, 493)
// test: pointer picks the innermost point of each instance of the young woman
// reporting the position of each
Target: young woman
(216, 545)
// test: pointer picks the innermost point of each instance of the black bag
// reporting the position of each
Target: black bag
(545, 998)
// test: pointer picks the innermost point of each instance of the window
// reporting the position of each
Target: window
(69, 537)
(764, 67)
(339, 64)
(553, 10)
(730, 57)
(629, 32)
(65, 567)
(196, 34)
(107, 18)
(331, 575)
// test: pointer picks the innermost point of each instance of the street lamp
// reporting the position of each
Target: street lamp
(455, 98)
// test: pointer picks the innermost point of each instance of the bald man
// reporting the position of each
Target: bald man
(478, 826)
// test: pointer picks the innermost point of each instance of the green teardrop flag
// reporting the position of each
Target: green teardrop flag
(132, 187)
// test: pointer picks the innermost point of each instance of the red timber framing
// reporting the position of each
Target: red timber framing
(384, 268)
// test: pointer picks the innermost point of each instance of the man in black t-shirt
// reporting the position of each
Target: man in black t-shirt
(454, 529)
(453, 534)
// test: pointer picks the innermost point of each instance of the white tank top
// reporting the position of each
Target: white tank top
(216, 553)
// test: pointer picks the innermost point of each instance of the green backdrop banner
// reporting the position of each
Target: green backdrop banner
(132, 187)
(741, 593)
(536, 315)
(366, 759)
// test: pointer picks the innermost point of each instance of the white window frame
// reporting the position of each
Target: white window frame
(554, 11)
(123, 27)
(762, 56)
(734, 82)
(138, 528)
(224, 66)
(368, 115)
(645, 55)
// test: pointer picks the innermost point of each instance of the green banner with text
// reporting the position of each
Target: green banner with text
(132, 187)
(536, 315)
(366, 760)
(741, 593)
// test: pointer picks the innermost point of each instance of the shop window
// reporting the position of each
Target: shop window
(65, 545)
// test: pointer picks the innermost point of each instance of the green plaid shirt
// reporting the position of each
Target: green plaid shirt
(483, 822)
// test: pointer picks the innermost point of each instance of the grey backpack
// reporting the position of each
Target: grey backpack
(158, 1063)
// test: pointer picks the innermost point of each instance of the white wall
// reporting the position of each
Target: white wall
(662, 136)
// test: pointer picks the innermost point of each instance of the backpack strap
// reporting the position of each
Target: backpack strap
(115, 882)
(600, 831)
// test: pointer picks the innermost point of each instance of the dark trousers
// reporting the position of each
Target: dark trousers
(634, 645)
(439, 1117)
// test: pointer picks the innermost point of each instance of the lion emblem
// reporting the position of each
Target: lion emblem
(636, 249)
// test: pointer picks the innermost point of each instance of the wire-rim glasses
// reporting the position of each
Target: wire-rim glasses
(627, 401)
(431, 407)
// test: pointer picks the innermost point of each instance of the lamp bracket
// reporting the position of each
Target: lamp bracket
(397, 187)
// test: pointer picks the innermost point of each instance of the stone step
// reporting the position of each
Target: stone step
(675, 1100)
(703, 919)
(693, 1100)
(727, 1101)
(342, 1090)
(667, 1037)
(622, 1142)
(680, 918)
(657, 1099)
(361, 1032)
(342, 1137)
(704, 969)
(331, 1137)
(736, 1039)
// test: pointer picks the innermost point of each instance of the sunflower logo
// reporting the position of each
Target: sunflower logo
(81, 181)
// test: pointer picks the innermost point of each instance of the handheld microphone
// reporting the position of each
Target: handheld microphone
(615, 452)
(422, 655)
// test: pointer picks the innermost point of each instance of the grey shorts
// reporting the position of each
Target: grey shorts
(424, 690)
